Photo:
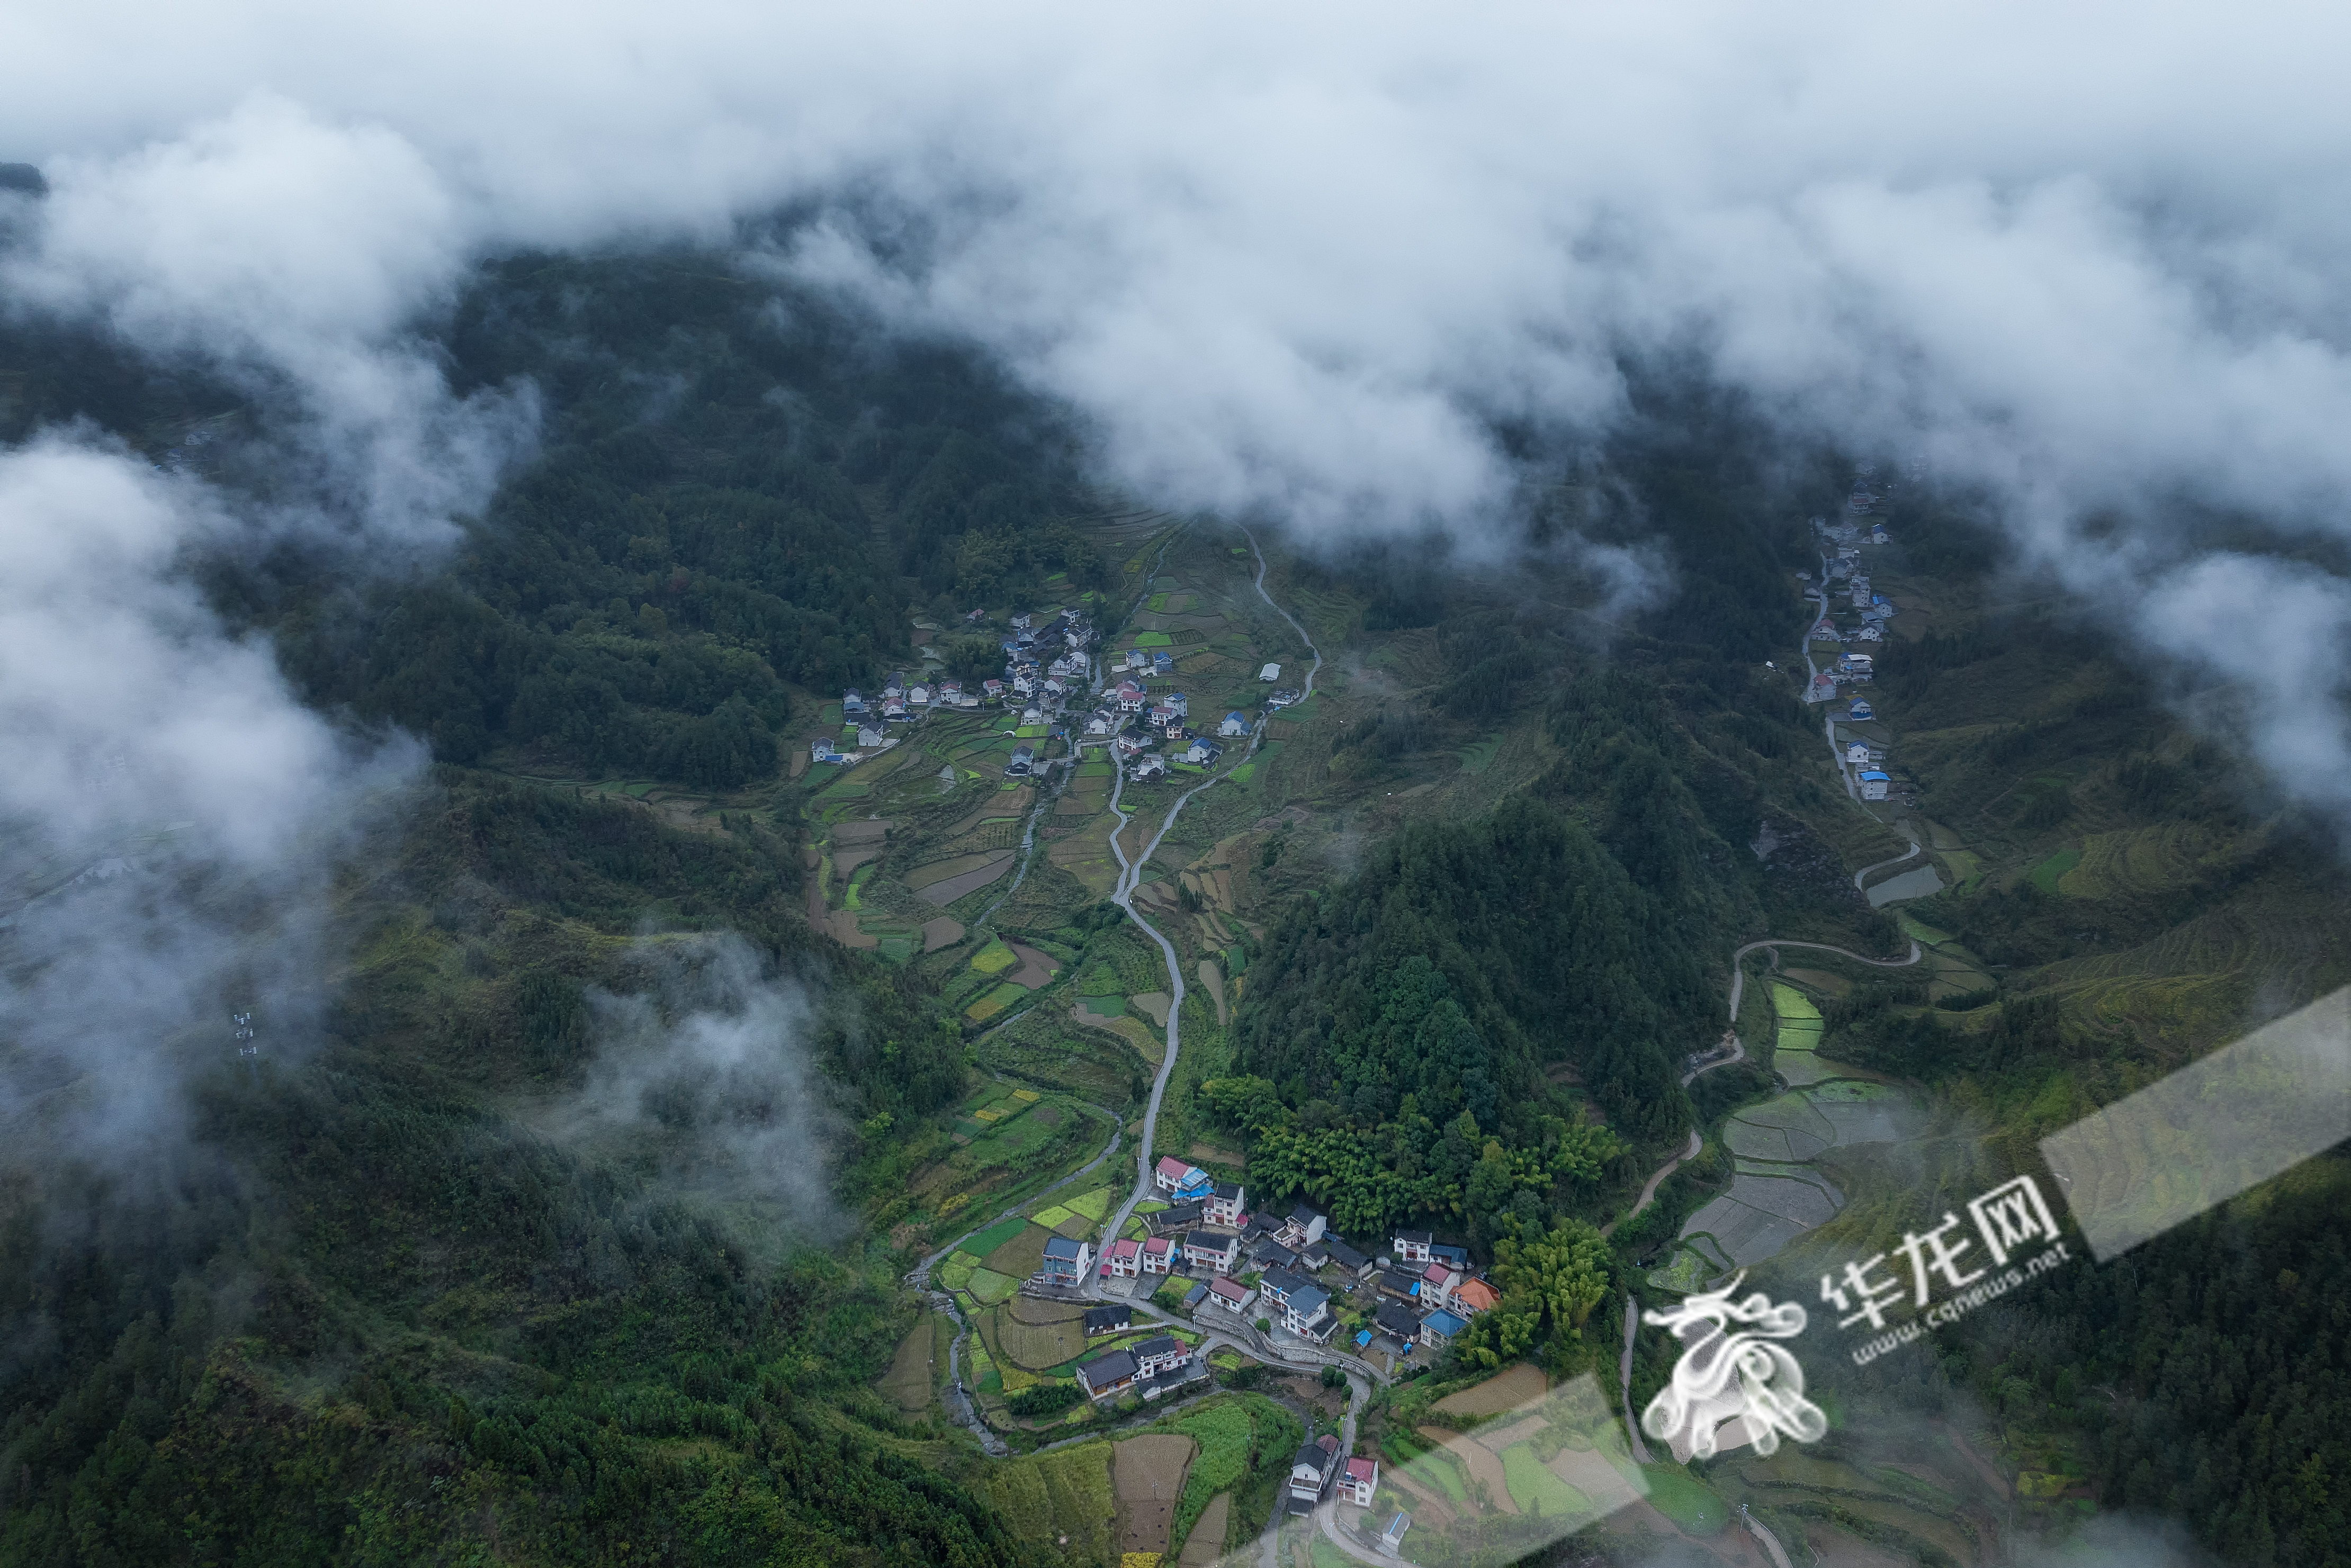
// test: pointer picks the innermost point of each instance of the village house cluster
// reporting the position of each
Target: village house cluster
(1044, 664)
(1286, 1271)
(1147, 732)
(1864, 629)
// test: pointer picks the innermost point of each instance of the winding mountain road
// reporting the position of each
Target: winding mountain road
(1881, 865)
(1130, 877)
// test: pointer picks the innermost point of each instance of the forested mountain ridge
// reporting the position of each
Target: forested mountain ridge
(394, 1308)
(385, 1311)
(738, 488)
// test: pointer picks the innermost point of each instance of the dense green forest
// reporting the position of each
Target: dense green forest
(1405, 1022)
(380, 1313)
(740, 488)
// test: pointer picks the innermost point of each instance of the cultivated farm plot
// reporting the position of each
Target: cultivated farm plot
(1870, 1122)
(1037, 969)
(988, 1287)
(1745, 1234)
(946, 890)
(1039, 1347)
(1801, 1202)
(1066, 1493)
(912, 1380)
(1151, 1047)
(1764, 1143)
(1536, 1489)
(1038, 1310)
(994, 1000)
(1685, 1273)
(1206, 1543)
(1792, 1113)
(1801, 1068)
(1792, 1006)
(1484, 1470)
(1148, 1477)
(1507, 1390)
(1022, 1254)
(995, 1236)
(1820, 980)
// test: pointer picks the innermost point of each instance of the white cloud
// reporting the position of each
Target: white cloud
(169, 815)
(706, 1078)
(2085, 261)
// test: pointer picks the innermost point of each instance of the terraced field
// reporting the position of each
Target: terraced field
(1777, 1194)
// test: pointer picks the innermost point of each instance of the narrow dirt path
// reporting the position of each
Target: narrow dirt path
(1657, 1178)
(1632, 1420)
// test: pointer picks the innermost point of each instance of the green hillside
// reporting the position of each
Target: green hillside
(462, 1278)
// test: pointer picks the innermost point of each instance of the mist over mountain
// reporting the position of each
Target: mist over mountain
(452, 460)
(1319, 267)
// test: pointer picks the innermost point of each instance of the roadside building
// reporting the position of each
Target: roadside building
(1172, 1175)
(1107, 1319)
(1066, 1262)
(1158, 1255)
(1358, 1481)
(1392, 1538)
(1310, 1472)
(1231, 1295)
(1874, 785)
(1123, 1258)
(1213, 1247)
